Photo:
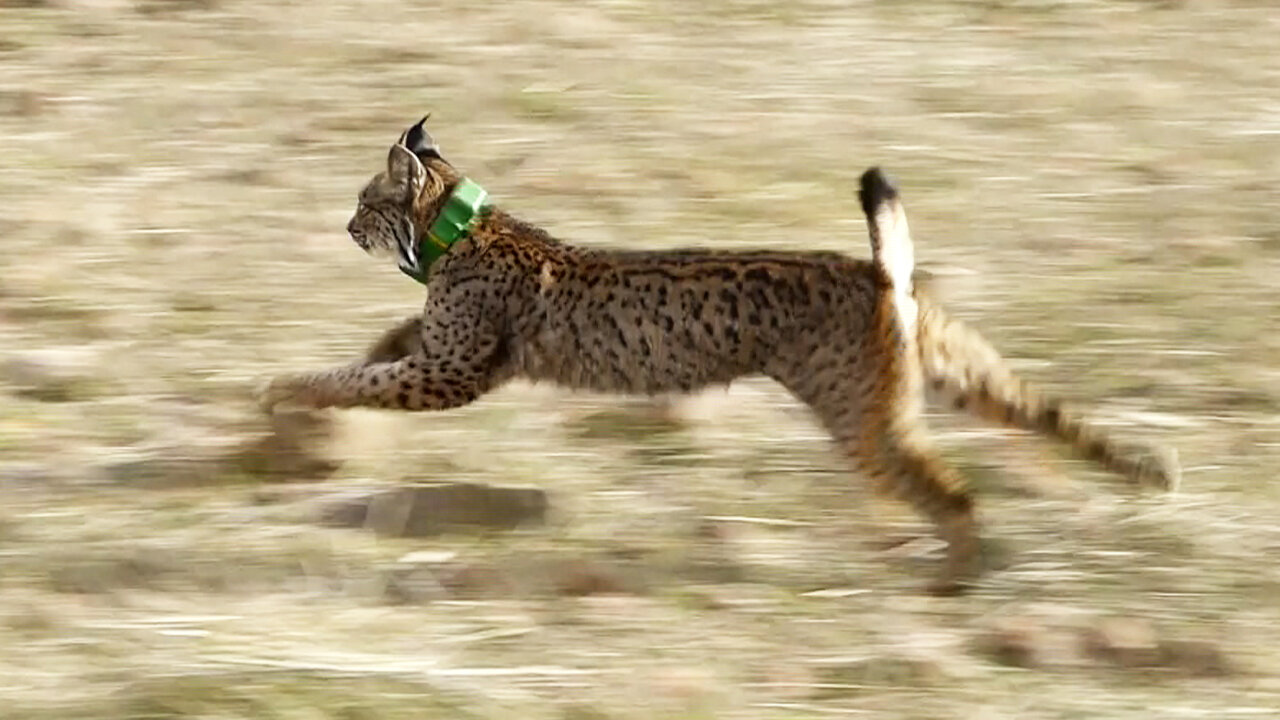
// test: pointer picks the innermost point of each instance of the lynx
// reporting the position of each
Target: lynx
(853, 339)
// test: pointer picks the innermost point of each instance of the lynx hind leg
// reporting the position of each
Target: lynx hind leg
(866, 389)
(902, 464)
(867, 400)
(967, 371)
(873, 409)
(873, 406)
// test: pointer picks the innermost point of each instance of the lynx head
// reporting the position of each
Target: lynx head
(397, 206)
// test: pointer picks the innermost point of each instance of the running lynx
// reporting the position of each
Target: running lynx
(851, 338)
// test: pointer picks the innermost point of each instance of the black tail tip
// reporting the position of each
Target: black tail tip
(875, 189)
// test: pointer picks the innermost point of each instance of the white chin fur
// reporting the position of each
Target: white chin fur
(382, 252)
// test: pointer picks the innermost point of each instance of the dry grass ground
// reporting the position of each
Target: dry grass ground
(174, 180)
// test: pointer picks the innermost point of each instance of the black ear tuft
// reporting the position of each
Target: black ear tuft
(875, 190)
(420, 142)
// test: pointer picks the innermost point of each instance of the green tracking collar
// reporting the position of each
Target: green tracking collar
(466, 204)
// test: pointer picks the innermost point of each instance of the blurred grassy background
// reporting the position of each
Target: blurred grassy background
(1098, 176)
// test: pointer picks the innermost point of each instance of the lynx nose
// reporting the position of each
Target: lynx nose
(351, 227)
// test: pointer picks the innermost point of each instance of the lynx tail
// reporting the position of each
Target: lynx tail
(891, 247)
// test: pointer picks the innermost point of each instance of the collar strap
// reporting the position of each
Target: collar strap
(457, 218)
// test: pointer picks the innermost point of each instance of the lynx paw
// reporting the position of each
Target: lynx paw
(1169, 469)
(1160, 469)
(278, 390)
(963, 563)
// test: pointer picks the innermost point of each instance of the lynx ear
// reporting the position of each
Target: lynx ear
(419, 141)
(405, 170)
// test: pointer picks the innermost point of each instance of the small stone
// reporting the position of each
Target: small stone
(786, 679)
(475, 580)
(192, 444)
(161, 467)
(433, 508)
(28, 474)
(1012, 640)
(50, 374)
(1060, 637)
(1196, 657)
(412, 586)
(1125, 641)
(839, 675)
(683, 691)
(741, 597)
(424, 582)
(294, 447)
(582, 576)
(428, 557)
(1032, 641)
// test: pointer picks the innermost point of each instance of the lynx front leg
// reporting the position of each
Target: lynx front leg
(448, 373)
